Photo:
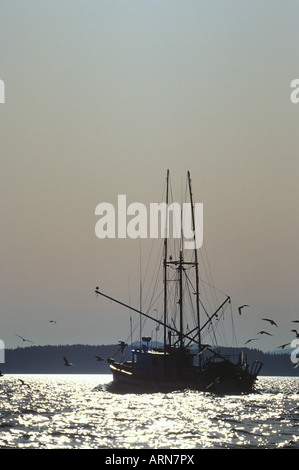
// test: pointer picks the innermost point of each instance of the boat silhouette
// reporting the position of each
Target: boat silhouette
(183, 359)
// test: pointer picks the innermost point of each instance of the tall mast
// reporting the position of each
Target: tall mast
(196, 261)
(181, 299)
(164, 263)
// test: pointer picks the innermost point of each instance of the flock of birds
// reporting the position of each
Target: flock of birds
(123, 345)
(272, 323)
(67, 363)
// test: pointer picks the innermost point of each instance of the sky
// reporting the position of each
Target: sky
(101, 98)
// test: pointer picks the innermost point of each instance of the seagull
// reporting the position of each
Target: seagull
(295, 321)
(264, 333)
(98, 358)
(297, 334)
(52, 321)
(24, 339)
(66, 362)
(282, 346)
(240, 308)
(252, 339)
(23, 383)
(271, 321)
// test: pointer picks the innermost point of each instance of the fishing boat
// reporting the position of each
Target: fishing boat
(186, 357)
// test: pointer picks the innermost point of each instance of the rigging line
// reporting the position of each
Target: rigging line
(220, 336)
(154, 300)
(174, 286)
(153, 240)
(221, 330)
(137, 325)
(210, 271)
(208, 283)
(139, 311)
(216, 313)
(191, 309)
(200, 301)
(216, 288)
(135, 320)
(234, 336)
(155, 275)
(206, 296)
(217, 328)
(148, 262)
(202, 305)
(130, 311)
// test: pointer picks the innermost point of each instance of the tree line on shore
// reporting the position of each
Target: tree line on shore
(88, 359)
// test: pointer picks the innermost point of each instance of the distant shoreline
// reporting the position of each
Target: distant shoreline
(49, 360)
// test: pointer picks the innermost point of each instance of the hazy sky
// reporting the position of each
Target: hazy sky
(102, 97)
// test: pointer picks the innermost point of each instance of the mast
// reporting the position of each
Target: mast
(181, 299)
(196, 262)
(164, 263)
(140, 295)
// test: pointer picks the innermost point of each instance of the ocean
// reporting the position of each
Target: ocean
(79, 412)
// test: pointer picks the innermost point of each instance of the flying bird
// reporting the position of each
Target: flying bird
(66, 362)
(24, 339)
(295, 321)
(52, 321)
(282, 346)
(241, 307)
(98, 358)
(264, 333)
(297, 334)
(23, 383)
(270, 321)
(252, 339)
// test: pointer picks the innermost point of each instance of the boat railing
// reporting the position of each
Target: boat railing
(256, 367)
(228, 357)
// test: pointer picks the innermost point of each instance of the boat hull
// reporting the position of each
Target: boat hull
(128, 382)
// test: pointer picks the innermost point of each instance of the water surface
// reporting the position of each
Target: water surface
(79, 412)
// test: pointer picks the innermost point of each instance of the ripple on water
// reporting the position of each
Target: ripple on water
(73, 411)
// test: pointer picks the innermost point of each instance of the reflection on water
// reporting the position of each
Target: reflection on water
(79, 411)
